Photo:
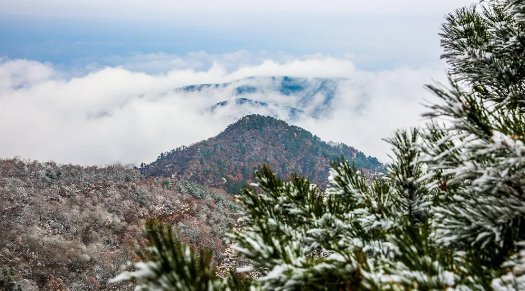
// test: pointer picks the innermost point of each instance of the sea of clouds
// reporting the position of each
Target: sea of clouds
(131, 112)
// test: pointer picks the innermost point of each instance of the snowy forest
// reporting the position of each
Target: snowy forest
(448, 214)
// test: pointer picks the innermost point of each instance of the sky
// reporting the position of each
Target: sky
(92, 82)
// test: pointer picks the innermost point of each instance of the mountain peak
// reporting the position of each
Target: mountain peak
(256, 121)
(228, 160)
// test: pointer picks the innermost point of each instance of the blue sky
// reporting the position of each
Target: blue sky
(92, 81)
(377, 33)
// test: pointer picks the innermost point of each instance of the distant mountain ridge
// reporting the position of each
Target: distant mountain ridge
(272, 108)
(282, 97)
(227, 160)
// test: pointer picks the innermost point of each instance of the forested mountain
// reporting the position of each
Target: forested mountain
(228, 160)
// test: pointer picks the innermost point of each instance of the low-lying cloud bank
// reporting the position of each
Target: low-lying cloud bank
(120, 114)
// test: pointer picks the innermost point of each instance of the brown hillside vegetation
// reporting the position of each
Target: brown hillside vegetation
(65, 227)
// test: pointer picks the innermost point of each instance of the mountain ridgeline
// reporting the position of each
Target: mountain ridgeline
(229, 159)
(282, 97)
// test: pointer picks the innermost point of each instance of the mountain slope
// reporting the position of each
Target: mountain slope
(67, 227)
(227, 160)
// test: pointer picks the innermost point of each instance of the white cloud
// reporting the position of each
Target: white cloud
(156, 63)
(22, 73)
(115, 114)
(375, 104)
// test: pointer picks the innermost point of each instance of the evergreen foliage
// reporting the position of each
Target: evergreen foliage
(450, 212)
(169, 264)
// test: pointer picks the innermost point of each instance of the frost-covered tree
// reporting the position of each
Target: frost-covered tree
(169, 264)
(475, 147)
(449, 213)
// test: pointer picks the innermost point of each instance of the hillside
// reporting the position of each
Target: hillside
(66, 227)
(228, 160)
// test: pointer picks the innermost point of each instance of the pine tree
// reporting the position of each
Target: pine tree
(478, 155)
(169, 264)
(449, 213)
